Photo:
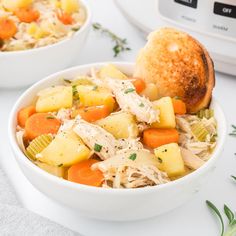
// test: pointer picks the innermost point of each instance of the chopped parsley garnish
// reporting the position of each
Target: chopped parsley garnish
(160, 160)
(129, 90)
(67, 81)
(50, 117)
(95, 87)
(97, 147)
(75, 92)
(76, 29)
(141, 104)
(177, 97)
(133, 156)
(60, 165)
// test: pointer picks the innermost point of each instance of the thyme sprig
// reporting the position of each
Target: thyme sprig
(120, 43)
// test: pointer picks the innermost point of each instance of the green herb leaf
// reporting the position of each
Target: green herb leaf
(75, 92)
(129, 90)
(67, 81)
(120, 44)
(229, 214)
(133, 156)
(97, 147)
(50, 117)
(95, 87)
(213, 207)
(75, 29)
(60, 165)
(233, 133)
(141, 104)
(234, 177)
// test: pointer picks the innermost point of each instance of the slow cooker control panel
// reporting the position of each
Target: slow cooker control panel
(216, 17)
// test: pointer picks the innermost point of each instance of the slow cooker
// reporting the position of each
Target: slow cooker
(213, 23)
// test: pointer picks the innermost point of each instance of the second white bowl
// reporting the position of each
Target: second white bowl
(22, 68)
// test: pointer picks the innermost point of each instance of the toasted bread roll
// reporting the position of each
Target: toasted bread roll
(179, 66)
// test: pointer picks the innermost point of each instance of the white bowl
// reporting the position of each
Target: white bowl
(22, 68)
(111, 204)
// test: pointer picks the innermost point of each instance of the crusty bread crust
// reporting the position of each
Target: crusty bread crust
(179, 66)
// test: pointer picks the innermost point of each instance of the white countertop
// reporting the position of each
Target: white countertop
(194, 217)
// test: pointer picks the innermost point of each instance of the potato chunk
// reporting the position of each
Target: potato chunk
(112, 72)
(170, 159)
(58, 171)
(167, 115)
(150, 92)
(54, 98)
(14, 4)
(70, 6)
(66, 149)
(120, 125)
(95, 96)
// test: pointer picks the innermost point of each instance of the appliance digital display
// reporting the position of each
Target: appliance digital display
(224, 9)
(189, 3)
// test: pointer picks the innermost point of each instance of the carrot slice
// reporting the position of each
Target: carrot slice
(7, 28)
(139, 85)
(83, 174)
(92, 114)
(41, 123)
(24, 114)
(65, 18)
(179, 106)
(157, 137)
(27, 15)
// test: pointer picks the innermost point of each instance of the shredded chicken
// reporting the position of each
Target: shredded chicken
(20, 140)
(95, 78)
(130, 101)
(187, 140)
(93, 134)
(134, 177)
(67, 125)
(63, 114)
(191, 160)
(129, 144)
(122, 172)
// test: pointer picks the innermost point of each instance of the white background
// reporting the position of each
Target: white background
(193, 218)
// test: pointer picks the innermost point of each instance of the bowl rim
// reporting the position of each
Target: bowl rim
(19, 155)
(65, 40)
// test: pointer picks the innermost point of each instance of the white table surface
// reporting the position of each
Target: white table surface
(193, 218)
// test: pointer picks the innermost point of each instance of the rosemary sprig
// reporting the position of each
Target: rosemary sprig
(120, 44)
(233, 133)
(233, 177)
(231, 228)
